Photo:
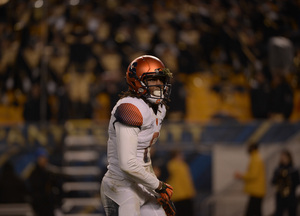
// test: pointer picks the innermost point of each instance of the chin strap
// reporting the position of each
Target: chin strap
(154, 100)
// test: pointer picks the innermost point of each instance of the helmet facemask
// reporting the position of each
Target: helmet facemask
(160, 92)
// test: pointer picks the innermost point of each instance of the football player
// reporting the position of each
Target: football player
(130, 187)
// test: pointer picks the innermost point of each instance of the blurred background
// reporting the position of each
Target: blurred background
(236, 67)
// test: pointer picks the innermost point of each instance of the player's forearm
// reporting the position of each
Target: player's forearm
(127, 147)
(140, 175)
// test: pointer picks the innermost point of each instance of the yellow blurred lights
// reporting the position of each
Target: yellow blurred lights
(198, 82)
(2, 2)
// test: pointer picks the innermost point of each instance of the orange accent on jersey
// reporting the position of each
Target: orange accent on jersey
(154, 138)
(156, 121)
(129, 114)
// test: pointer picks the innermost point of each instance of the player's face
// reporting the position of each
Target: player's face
(155, 84)
(284, 159)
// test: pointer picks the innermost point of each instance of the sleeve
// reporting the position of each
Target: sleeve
(129, 114)
(127, 140)
(253, 170)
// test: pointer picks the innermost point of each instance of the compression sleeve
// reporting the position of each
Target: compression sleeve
(127, 139)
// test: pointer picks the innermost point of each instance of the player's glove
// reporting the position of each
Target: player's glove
(168, 206)
(165, 190)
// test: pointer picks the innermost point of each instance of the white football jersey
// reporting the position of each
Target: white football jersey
(134, 112)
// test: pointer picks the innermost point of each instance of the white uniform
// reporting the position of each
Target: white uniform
(128, 186)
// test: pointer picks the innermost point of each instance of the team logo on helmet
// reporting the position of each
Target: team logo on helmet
(132, 70)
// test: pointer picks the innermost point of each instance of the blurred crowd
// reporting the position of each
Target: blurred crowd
(75, 52)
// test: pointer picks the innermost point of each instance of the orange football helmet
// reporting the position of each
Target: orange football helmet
(143, 68)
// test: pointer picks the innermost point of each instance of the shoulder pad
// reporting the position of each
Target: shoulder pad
(129, 114)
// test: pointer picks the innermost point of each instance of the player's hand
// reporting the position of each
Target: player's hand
(165, 190)
(168, 206)
(238, 175)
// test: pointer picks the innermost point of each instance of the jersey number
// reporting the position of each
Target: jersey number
(153, 140)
